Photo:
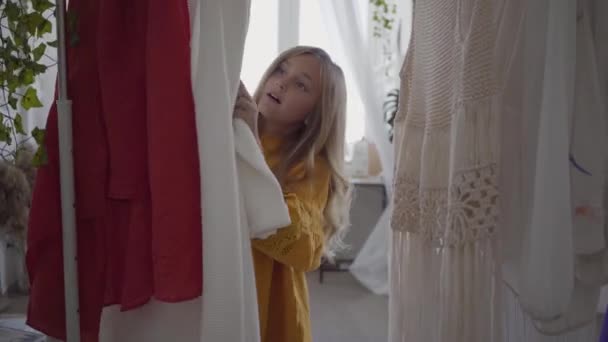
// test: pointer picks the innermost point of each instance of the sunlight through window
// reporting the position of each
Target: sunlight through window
(261, 48)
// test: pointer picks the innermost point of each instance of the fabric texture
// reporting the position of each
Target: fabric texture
(282, 259)
(157, 321)
(347, 30)
(263, 202)
(519, 326)
(599, 9)
(445, 265)
(137, 201)
(604, 335)
(153, 322)
(587, 180)
(553, 176)
(547, 267)
(243, 199)
(229, 303)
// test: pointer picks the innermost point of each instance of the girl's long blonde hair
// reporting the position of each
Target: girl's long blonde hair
(323, 134)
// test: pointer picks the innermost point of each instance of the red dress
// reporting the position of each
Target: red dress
(138, 208)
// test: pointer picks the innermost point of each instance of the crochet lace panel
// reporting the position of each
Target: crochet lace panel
(465, 212)
(446, 182)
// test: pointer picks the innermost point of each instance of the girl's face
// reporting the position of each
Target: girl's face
(292, 91)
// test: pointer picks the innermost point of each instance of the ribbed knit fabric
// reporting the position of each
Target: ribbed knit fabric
(446, 277)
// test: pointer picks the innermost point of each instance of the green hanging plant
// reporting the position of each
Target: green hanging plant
(384, 16)
(385, 20)
(24, 24)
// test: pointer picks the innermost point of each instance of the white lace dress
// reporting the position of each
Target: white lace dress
(461, 87)
(446, 280)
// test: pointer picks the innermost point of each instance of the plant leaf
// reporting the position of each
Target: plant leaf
(27, 76)
(12, 11)
(54, 43)
(18, 122)
(13, 83)
(39, 52)
(40, 157)
(18, 39)
(12, 101)
(42, 5)
(39, 68)
(38, 135)
(33, 22)
(45, 27)
(30, 99)
(5, 133)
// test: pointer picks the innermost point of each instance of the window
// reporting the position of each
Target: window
(262, 46)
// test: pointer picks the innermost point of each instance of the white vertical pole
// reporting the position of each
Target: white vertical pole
(66, 168)
(289, 24)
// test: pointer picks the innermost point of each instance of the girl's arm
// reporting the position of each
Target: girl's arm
(300, 245)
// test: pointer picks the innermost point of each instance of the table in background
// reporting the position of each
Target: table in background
(369, 201)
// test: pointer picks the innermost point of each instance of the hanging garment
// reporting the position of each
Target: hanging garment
(588, 138)
(137, 201)
(229, 306)
(252, 204)
(445, 269)
(547, 242)
(600, 37)
(519, 327)
(552, 175)
(229, 303)
(262, 198)
(600, 32)
(262, 210)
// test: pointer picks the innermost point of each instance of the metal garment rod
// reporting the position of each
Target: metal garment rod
(66, 169)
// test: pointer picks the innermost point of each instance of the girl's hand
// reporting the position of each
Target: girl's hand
(246, 109)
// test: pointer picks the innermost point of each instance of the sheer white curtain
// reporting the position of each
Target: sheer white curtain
(346, 23)
(261, 45)
(345, 27)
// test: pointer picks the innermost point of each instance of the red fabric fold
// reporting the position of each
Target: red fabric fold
(136, 167)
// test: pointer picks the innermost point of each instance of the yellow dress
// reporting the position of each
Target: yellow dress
(282, 260)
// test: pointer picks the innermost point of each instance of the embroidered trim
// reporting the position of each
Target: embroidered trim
(464, 213)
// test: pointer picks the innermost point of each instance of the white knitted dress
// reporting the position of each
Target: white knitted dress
(446, 278)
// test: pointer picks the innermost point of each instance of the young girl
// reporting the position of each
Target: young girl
(301, 102)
